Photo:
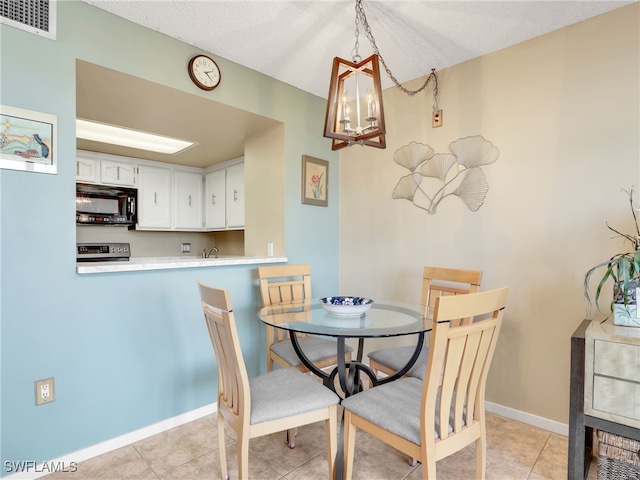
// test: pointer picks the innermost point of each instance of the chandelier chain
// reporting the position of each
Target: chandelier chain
(355, 56)
(432, 76)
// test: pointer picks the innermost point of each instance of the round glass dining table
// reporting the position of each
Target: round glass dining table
(385, 318)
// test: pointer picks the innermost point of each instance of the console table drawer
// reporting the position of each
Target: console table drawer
(612, 373)
(618, 360)
(617, 397)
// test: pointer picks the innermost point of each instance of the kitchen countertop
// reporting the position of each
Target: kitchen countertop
(166, 263)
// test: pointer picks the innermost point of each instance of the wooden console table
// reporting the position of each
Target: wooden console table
(581, 426)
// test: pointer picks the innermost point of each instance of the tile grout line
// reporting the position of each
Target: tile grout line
(156, 474)
(539, 455)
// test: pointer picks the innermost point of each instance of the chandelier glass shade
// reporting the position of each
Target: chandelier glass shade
(355, 114)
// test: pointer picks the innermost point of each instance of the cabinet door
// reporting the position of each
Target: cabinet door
(235, 196)
(188, 199)
(87, 169)
(117, 173)
(214, 200)
(154, 197)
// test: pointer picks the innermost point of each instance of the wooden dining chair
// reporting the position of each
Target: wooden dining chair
(285, 284)
(431, 419)
(277, 401)
(436, 282)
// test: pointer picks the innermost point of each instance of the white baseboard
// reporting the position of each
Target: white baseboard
(528, 418)
(41, 469)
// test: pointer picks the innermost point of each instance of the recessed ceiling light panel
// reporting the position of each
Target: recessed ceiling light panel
(101, 132)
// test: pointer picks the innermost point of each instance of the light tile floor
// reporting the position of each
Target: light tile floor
(514, 451)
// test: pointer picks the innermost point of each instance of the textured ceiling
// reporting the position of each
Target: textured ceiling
(295, 41)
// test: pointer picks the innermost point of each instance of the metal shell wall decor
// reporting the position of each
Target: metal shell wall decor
(412, 155)
(407, 186)
(474, 151)
(435, 176)
(439, 166)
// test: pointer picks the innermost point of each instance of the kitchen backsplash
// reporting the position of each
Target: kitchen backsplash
(164, 244)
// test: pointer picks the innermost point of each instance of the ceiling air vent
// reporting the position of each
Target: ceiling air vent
(34, 16)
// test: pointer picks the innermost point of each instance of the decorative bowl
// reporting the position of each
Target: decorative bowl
(346, 306)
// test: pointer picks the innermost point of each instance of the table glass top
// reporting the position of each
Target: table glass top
(385, 318)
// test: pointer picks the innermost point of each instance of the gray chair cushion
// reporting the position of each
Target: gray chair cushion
(398, 357)
(394, 406)
(285, 392)
(315, 348)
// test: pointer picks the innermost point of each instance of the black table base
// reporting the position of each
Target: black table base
(349, 376)
(349, 373)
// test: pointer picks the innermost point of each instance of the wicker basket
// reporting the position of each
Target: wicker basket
(618, 457)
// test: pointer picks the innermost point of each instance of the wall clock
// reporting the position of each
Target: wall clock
(204, 72)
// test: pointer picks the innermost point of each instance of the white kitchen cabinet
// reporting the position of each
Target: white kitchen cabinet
(235, 195)
(214, 200)
(87, 169)
(224, 197)
(187, 200)
(154, 197)
(171, 196)
(117, 173)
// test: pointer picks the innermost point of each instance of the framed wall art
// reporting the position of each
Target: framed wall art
(28, 140)
(315, 181)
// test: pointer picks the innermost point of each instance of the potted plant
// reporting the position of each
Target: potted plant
(624, 270)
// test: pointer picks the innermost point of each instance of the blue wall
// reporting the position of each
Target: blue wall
(126, 350)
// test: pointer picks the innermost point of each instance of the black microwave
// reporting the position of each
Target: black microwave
(105, 205)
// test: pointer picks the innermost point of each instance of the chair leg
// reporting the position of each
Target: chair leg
(221, 447)
(373, 365)
(331, 427)
(291, 437)
(243, 456)
(481, 457)
(269, 363)
(481, 445)
(429, 461)
(349, 445)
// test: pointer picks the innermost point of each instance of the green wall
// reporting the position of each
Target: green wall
(120, 366)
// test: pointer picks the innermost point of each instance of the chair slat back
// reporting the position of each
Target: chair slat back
(439, 282)
(459, 360)
(283, 284)
(233, 380)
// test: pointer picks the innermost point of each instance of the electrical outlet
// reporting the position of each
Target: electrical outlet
(185, 248)
(436, 121)
(44, 391)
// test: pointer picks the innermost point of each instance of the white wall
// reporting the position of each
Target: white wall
(564, 111)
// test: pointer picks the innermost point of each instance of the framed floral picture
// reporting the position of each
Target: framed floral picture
(28, 140)
(315, 181)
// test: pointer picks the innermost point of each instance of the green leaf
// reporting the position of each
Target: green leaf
(622, 268)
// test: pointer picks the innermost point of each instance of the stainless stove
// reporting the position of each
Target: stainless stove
(102, 252)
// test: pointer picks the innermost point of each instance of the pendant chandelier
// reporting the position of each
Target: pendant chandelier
(355, 113)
